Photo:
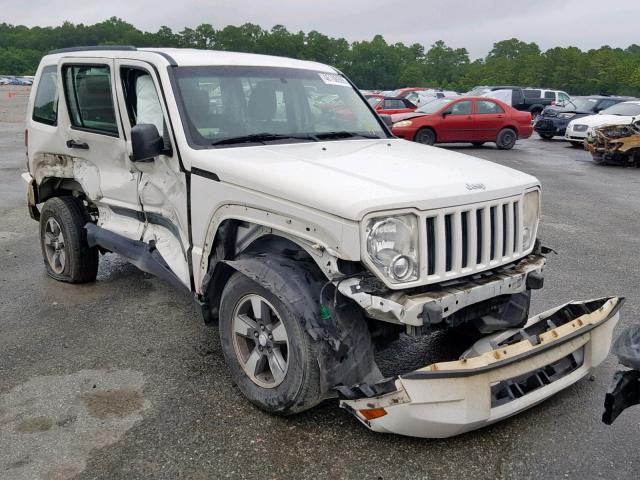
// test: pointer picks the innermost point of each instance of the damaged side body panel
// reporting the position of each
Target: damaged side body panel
(499, 376)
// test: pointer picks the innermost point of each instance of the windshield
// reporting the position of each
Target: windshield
(434, 105)
(222, 104)
(373, 101)
(478, 92)
(627, 109)
(582, 104)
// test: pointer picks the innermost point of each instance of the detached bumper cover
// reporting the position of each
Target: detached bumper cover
(500, 375)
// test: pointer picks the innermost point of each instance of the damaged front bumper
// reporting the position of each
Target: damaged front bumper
(500, 375)
(423, 309)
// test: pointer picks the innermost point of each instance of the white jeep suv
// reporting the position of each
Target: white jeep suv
(269, 189)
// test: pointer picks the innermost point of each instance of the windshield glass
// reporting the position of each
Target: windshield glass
(582, 104)
(627, 109)
(434, 105)
(373, 101)
(260, 104)
(478, 91)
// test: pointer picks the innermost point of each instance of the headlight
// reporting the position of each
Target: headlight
(404, 123)
(566, 116)
(392, 245)
(531, 214)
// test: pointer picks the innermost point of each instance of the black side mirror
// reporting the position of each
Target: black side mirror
(445, 113)
(146, 143)
(387, 120)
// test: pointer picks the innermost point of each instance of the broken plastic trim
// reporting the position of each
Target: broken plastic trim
(554, 350)
(144, 256)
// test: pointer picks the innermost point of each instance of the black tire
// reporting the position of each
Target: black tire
(300, 389)
(545, 136)
(477, 144)
(534, 114)
(425, 136)
(506, 139)
(80, 263)
(598, 159)
(577, 144)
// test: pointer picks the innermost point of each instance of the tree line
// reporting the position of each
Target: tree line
(371, 64)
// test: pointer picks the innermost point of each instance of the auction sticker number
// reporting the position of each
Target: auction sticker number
(333, 79)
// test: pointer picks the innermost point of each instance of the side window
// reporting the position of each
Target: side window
(564, 98)
(550, 95)
(87, 89)
(45, 106)
(487, 106)
(141, 98)
(606, 104)
(461, 108)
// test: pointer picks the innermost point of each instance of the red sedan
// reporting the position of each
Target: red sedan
(389, 106)
(464, 119)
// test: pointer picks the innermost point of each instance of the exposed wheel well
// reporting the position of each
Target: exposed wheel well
(58, 187)
(225, 247)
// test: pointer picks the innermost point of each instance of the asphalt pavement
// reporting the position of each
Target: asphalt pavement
(121, 378)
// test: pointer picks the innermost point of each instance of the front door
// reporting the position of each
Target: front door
(457, 124)
(162, 183)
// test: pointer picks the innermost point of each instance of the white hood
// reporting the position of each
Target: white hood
(350, 178)
(599, 120)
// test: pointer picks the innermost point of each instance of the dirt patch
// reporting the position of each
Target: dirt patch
(37, 424)
(113, 403)
(49, 425)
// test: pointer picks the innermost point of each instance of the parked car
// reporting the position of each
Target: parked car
(405, 92)
(420, 97)
(526, 100)
(553, 120)
(311, 237)
(620, 114)
(389, 105)
(615, 144)
(466, 119)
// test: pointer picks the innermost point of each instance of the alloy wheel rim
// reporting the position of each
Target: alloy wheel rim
(260, 341)
(54, 246)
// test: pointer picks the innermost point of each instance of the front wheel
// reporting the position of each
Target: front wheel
(545, 136)
(577, 144)
(426, 136)
(63, 239)
(506, 139)
(477, 144)
(272, 359)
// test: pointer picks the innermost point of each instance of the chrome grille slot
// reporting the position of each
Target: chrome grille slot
(472, 238)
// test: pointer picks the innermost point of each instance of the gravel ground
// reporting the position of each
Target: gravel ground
(121, 379)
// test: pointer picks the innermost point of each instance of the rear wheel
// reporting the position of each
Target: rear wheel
(272, 359)
(477, 144)
(63, 239)
(426, 136)
(506, 139)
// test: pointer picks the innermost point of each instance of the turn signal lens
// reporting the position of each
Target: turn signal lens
(373, 413)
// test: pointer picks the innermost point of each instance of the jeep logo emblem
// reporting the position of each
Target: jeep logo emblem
(475, 186)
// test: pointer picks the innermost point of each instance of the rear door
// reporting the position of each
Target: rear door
(94, 139)
(489, 118)
(458, 124)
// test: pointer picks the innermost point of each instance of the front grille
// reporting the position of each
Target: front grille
(580, 128)
(472, 238)
(545, 125)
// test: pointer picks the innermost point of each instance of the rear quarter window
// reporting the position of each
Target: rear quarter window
(45, 105)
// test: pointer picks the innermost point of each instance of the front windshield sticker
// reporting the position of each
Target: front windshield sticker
(333, 79)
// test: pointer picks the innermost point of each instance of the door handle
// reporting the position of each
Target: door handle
(500, 116)
(76, 144)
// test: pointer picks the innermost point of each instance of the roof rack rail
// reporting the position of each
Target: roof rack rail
(96, 47)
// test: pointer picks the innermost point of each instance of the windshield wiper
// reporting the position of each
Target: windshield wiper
(343, 134)
(261, 138)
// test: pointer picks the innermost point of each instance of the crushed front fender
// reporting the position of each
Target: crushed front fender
(499, 376)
